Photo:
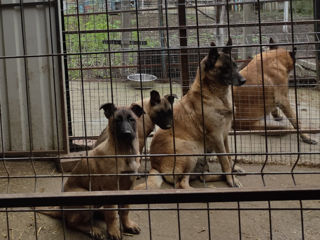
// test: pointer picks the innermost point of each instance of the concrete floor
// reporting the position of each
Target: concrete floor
(166, 222)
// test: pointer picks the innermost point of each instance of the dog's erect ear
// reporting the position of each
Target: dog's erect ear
(154, 97)
(212, 57)
(293, 54)
(171, 97)
(109, 109)
(228, 48)
(137, 109)
(271, 41)
(213, 53)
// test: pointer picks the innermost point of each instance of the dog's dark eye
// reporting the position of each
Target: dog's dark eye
(119, 119)
(131, 119)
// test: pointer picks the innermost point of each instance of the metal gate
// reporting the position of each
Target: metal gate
(104, 42)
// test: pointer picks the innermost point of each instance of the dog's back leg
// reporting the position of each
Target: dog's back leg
(284, 105)
(154, 181)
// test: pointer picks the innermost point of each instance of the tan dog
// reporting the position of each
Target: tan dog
(122, 140)
(158, 112)
(250, 101)
(212, 83)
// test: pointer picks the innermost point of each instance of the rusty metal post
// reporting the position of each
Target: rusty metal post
(183, 43)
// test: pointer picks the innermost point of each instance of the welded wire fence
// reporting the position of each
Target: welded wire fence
(101, 43)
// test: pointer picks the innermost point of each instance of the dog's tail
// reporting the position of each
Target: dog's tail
(55, 213)
(154, 181)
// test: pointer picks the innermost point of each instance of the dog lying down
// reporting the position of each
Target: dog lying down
(122, 140)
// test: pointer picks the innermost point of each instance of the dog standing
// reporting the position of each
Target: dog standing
(212, 84)
(158, 112)
(252, 105)
(122, 140)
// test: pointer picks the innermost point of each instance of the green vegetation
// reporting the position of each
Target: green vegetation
(303, 7)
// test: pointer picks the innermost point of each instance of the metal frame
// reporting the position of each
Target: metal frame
(163, 196)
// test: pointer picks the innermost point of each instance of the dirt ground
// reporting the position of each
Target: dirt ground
(191, 222)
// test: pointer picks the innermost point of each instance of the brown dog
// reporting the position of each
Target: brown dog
(250, 101)
(212, 83)
(122, 140)
(158, 112)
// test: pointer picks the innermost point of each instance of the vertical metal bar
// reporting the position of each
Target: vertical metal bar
(184, 62)
(295, 93)
(82, 91)
(209, 222)
(111, 82)
(65, 61)
(172, 128)
(54, 79)
(162, 40)
(239, 221)
(54, 84)
(6, 169)
(263, 94)
(316, 7)
(302, 221)
(23, 33)
(201, 83)
(232, 96)
(141, 96)
(125, 36)
(270, 220)
(83, 100)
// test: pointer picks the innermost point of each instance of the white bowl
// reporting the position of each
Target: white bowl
(137, 79)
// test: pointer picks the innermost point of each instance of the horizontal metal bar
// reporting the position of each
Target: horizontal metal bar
(162, 155)
(232, 132)
(27, 4)
(65, 175)
(190, 27)
(204, 195)
(166, 155)
(152, 50)
(284, 131)
(164, 209)
(170, 8)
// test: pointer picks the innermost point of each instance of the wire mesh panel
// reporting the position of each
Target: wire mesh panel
(202, 115)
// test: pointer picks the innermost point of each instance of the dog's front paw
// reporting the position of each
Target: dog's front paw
(97, 233)
(234, 182)
(114, 234)
(132, 227)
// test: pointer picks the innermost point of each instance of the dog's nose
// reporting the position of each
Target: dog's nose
(127, 133)
(242, 81)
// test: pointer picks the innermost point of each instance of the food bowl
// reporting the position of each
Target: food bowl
(137, 79)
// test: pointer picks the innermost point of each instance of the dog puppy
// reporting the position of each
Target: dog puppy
(158, 112)
(212, 89)
(122, 140)
(253, 104)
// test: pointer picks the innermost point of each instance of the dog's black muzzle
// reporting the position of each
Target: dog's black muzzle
(239, 80)
(126, 132)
